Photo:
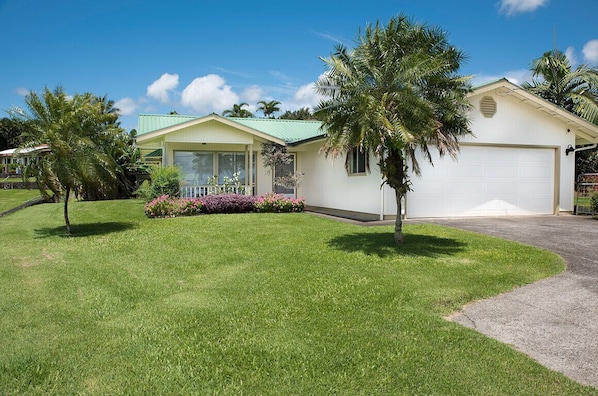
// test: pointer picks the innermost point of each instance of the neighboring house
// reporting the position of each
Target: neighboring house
(516, 162)
(13, 161)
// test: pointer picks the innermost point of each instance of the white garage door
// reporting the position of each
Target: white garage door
(485, 181)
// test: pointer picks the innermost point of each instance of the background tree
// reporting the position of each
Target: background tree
(575, 90)
(238, 111)
(80, 132)
(397, 92)
(268, 108)
(10, 132)
(303, 113)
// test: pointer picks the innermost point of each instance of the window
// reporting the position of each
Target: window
(357, 160)
(229, 164)
(199, 166)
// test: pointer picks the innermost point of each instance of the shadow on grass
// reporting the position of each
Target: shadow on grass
(84, 230)
(382, 244)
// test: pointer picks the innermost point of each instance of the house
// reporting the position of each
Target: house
(519, 160)
(13, 160)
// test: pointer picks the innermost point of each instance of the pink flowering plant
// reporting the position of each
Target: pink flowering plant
(165, 206)
(272, 202)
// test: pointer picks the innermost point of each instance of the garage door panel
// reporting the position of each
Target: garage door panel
(485, 181)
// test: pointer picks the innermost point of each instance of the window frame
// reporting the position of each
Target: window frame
(357, 167)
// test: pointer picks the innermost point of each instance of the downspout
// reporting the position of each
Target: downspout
(382, 203)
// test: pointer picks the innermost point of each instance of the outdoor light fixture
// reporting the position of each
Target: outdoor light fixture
(569, 149)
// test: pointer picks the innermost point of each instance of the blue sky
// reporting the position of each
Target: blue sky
(202, 56)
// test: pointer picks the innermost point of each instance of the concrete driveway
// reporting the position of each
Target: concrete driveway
(555, 321)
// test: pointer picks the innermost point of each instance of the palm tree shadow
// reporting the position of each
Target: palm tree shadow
(382, 244)
(85, 229)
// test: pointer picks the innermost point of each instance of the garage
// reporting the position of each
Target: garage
(485, 181)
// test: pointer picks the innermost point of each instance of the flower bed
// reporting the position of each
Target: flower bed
(166, 206)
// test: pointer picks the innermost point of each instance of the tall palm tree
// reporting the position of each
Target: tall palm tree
(268, 108)
(397, 92)
(238, 111)
(79, 132)
(574, 90)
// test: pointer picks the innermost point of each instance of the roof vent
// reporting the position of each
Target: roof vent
(488, 106)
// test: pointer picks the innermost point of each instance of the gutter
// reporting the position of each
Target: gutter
(575, 150)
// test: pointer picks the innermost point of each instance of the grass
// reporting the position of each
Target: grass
(261, 304)
(12, 198)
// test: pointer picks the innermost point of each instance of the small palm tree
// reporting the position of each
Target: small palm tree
(574, 90)
(268, 108)
(79, 132)
(238, 111)
(397, 92)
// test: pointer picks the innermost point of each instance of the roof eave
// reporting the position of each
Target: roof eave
(200, 120)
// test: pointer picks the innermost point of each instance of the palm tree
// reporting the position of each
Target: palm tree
(79, 132)
(574, 90)
(397, 92)
(268, 108)
(238, 111)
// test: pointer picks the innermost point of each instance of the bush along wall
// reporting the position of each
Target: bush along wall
(166, 206)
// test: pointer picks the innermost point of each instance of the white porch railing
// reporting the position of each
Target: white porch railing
(200, 191)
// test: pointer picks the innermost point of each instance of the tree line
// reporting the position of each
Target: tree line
(268, 108)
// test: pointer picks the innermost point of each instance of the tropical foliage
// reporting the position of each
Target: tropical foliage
(555, 80)
(10, 132)
(164, 180)
(82, 137)
(575, 90)
(303, 113)
(268, 108)
(238, 111)
(396, 93)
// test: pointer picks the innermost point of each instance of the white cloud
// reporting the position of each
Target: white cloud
(159, 88)
(570, 54)
(126, 106)
(590, 51)
(22, 91)
(511, 7)
(252, 94)
(305, 96)
(209, 94)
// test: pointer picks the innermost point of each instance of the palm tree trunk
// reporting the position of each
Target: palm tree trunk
(399, 220)
(393, 167)
(66, 211)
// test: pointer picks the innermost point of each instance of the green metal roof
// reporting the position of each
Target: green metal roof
(153, 122)
(290, 131)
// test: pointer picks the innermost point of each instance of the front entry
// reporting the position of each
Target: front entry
(285, 171)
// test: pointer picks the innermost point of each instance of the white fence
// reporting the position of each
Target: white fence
(200, 191)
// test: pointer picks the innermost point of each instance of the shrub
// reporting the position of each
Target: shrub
(189, 207)
(272, 202)
(594, 202)
(164, 181)
(227, 203)
(165, 206)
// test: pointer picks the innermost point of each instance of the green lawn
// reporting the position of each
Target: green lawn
(255, 304)
(12, 198)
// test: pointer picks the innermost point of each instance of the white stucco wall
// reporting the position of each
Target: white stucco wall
(518, 123)
(327, 184)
